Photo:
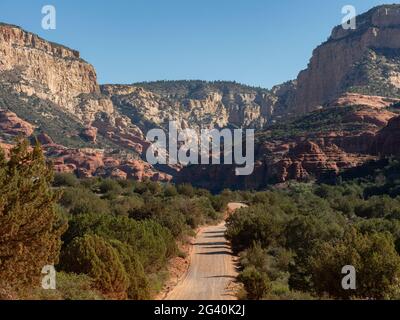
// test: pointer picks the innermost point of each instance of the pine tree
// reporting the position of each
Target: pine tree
(30, 229)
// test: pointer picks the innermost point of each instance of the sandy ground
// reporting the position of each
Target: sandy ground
(212, 271)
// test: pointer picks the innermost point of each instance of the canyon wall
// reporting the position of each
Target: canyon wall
(331, 70)
(199, 104)
(50, 71)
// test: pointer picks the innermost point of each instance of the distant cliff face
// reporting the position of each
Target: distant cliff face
(365, 60)
(347, 95)
(47, 90)
(199, 104)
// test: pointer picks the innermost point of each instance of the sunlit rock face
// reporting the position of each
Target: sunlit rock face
(364, 60)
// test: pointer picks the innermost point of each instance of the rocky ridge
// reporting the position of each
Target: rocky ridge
(198, 104)
(48, 91)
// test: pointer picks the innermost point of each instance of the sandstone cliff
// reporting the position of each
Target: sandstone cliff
(50, 72)
(56, 83)
(365, 60)
(199, 104)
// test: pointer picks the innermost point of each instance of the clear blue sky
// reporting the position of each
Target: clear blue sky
(256, 42)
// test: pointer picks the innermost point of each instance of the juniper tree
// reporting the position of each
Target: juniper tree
(30, 229)
(94, 256)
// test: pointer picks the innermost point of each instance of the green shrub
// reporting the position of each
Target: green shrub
(72, 286)
(259, 223)
(174, 221)
(170, 190)
(93, 256)
(65, 180)
(127, 206)
(186, 190)
(153, 243)
(374, 257)
(139, 287)
(218, 203)
(109, 186)
(80, 200)
(256, 284)
(379, 207)
(273, 262)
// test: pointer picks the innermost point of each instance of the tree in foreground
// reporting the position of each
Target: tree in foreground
(30, 229)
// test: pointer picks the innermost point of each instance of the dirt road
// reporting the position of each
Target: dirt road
(212, 267)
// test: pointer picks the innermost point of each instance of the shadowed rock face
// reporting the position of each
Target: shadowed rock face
(387, 141)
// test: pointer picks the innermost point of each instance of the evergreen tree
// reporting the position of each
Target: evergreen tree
(30, 228)
(94, 256)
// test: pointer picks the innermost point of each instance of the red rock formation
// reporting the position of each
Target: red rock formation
(131, 139)
(313, 158)
(6, 148)
(87, 163)
(11, 124)
(354, 99)
(118, 174)
(65, 168)
(376, 118)
(314, 154)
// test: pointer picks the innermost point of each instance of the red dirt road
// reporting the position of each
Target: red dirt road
(212, 267)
